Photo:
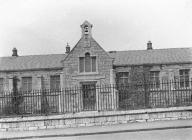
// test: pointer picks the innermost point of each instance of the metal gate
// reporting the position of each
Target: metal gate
(89, 96)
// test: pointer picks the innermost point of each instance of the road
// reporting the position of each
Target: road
(169, 134)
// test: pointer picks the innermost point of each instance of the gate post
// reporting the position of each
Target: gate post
(146, 91)
(97, 98)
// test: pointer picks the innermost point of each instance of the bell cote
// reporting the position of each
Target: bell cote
(86, 28)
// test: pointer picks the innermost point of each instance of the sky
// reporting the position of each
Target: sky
(45, 26)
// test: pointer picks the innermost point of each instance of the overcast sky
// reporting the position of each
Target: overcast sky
(45, 26)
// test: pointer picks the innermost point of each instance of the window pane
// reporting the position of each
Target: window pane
(154, 78)
(184, 78)
(122, 78)
(125, 74)
(181, 83)
(55, 82)
(181, 72)
(87, 63)
(27, 83)
(81, 64)
(187, 83)
(93, 64)
(120, 74)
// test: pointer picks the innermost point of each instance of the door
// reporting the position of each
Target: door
(89, 96)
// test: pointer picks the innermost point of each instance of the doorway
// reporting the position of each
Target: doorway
(89, 95)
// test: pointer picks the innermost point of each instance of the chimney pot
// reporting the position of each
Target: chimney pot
(67, 49)
(149, 45)
(14, 52)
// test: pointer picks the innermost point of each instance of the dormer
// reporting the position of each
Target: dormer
(86, 28)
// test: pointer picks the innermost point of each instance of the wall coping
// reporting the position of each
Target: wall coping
(92, 114)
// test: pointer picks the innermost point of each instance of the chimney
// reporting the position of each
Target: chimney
(14, 52)
(149, 45)
(67, 49)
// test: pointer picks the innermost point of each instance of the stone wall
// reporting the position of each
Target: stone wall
(94, 118)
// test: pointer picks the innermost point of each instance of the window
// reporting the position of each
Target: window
(184, 78)
(87, 63)
(26, 83)
(55, 82)
(1, 84)
(154, 79)
(122, 78)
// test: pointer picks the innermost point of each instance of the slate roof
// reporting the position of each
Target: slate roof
(155, 56)
(136, 57)
(31, 62)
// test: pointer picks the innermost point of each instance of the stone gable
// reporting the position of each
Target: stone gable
(71, 73)
(87, 45)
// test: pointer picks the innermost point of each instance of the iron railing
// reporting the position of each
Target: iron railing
(95, 98)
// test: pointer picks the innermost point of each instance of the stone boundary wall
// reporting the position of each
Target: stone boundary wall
(94, 118)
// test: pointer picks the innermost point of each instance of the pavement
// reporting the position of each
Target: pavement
(97, 130)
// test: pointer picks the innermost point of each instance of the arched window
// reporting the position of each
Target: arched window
(87, 63)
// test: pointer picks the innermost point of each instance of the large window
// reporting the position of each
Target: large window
(122, 78)
(26, 83)
(55, 82)
(184, 78)
(1, 84)
(154, 79)
(87, 63)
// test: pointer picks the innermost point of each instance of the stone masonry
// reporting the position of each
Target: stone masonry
(94, 118)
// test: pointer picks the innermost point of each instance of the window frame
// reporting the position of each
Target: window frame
(123, 78)
(53, 78)
(154, 79)
(92, 58)
(184, 78)
(29, 84)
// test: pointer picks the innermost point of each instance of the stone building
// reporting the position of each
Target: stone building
(88, 64)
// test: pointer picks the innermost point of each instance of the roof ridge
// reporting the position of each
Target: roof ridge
(151, 50)
(31, 55)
